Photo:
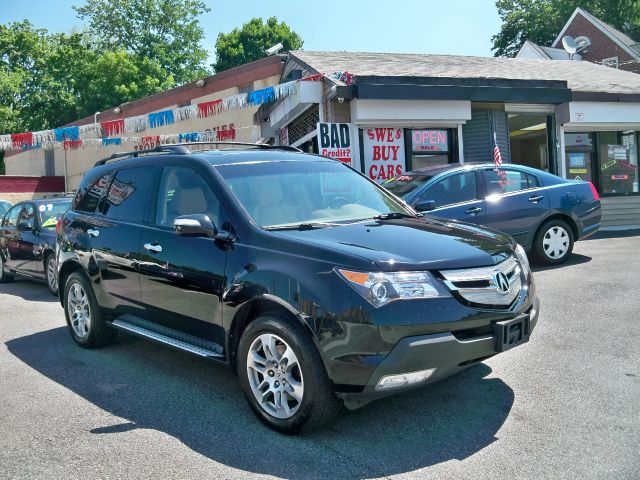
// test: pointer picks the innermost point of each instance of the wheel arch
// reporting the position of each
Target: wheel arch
(67, 269)
(558, 216)
(253, 309)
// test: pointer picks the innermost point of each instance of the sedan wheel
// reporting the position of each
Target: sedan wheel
(52, 275)
(275, 376)
(554, 242)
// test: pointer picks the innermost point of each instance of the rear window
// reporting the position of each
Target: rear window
(405, 184)
(50, 213)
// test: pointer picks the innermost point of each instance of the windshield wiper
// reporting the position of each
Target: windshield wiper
(301, 226)
(395, 215)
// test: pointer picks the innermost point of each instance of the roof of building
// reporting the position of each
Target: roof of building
(622, 39)
(547, 53)
(580, 76)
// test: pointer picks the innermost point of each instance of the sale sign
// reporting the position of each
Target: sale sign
(383, 149)
(334, 141)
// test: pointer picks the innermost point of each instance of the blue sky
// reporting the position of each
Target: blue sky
(461, 27)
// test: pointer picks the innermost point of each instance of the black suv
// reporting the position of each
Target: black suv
(28, 240)
(314, 284)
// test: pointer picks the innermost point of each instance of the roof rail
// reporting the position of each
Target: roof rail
(177, 149)
(246, 144)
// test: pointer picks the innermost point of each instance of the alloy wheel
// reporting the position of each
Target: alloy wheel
(79, 311)
(52, 278)
(275, 376)
(556, 242)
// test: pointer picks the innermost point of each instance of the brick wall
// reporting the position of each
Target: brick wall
(601, 45)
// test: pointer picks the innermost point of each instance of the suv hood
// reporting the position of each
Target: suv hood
(413, 243)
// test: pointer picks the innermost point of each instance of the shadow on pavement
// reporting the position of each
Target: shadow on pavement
(28, 290)
(202, 405)
(574, 259)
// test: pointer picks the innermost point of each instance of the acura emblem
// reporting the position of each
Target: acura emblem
(502, 283)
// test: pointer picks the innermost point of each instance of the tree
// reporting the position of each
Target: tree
(540, 21)
(247, 44)
(48, 80)
(166, 32)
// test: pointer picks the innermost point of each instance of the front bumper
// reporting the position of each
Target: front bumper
(443, 352)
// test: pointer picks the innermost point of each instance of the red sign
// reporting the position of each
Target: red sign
(430, 141)
(384, 156)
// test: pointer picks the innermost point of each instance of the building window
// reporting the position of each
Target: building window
(610, 62)
(608, 159)
(431, 147)
(618, 162)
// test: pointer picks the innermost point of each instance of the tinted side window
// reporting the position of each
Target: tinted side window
(534, 182)
(129, 194)
(184, 192)
(505, 181)
(11, 220)
(94, 194)
(456, 188)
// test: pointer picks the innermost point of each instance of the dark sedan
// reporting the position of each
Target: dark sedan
(28, 240)
(543, 212)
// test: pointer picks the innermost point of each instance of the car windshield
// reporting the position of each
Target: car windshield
(281, 194)
(405, 184)
(50, 213)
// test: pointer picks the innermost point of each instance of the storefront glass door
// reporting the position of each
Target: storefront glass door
(579, 154)
(529, 138)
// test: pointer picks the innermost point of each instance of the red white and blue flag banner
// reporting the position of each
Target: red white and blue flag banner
(497, 156)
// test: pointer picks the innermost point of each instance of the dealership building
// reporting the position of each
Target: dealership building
(391, 113)
(403, 111)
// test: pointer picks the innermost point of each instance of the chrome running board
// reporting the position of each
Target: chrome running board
(168, 336)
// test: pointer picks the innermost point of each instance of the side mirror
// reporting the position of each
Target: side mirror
(197, 225)
(425, 205)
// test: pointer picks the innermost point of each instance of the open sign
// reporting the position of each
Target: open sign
(430, 141)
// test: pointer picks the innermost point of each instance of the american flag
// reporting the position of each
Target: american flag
(497, 156)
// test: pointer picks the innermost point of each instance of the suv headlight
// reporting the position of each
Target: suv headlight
(380, 288)
(522, 258)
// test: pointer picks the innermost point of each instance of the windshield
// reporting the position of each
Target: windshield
(279, 194)
(405, 184)
(50, 213)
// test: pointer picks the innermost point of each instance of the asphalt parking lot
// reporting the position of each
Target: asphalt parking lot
(565, 405)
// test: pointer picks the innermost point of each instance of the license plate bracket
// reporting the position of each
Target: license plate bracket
(511, 333)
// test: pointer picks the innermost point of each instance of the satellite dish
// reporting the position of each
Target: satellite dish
(570, 45)
(582, 42)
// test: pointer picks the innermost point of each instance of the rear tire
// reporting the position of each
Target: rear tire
(51, 273)
(85, 319)
(554, 243)
(4, 276)
(283, 376)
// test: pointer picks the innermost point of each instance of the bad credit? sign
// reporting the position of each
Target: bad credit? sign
(383, 149)
(334, 141)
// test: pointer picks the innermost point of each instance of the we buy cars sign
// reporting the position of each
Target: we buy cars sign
(334, 141)
(384, 156)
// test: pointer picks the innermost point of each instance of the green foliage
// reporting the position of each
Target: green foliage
(247, 44)
(165, 32)
(540, 21)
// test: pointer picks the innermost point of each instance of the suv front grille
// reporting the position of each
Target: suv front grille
(480, 286)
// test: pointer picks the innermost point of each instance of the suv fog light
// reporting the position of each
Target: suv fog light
(395, 381)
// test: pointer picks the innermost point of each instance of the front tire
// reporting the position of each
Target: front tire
(554, 243)
(85, 319)
(283, 377)
(4, 276)
(51, 273)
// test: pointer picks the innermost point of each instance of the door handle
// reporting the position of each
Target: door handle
(536, 198)
(93, 232)
(473, 210)
(153, 247)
